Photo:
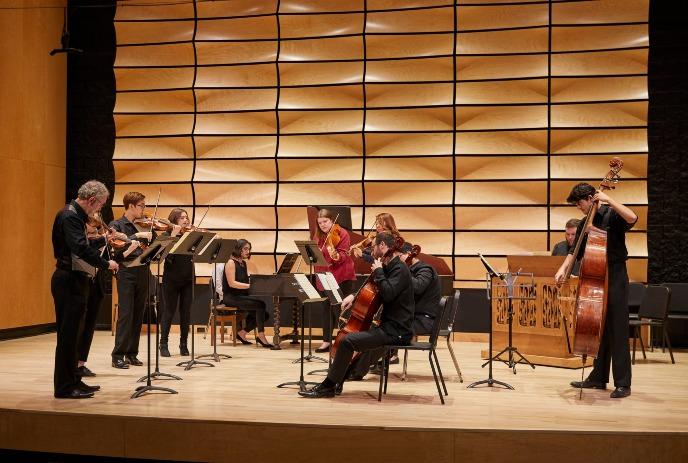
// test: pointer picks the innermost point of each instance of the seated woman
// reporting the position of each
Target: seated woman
(384, 222)
(235, 286)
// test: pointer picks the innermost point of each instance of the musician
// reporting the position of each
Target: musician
(177, 289)
(384, 222)
(334, 241)
(235, 287)
(131, 284)
(616, 219)
(562, 247)
(70, 280)
(393, 280)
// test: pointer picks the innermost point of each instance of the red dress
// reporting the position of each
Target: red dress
(342, 269)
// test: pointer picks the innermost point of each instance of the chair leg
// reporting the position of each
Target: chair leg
(642, 343)
(456, 364)
(439, 370)
(235, 329)
(213, 332)
(668, 342)
(382, 377)
(403, 373)
(388, 356)
(434, 375)
(635, 336)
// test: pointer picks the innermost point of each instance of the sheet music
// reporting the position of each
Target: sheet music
(306, 285)
(330, 284)
(324, 281)
(333, 282)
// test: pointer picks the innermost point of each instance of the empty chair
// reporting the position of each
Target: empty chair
(653, 311)
(635, 296)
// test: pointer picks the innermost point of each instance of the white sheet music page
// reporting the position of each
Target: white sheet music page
(306, 285)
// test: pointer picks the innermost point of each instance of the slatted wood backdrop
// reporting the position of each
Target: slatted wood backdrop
(468, 121)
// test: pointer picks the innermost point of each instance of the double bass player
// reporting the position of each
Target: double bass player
(616, 219)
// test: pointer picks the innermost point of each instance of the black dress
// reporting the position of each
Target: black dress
(255, 307)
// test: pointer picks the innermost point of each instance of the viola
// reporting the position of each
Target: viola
(157, 223)
(415, 250)
(117, 240)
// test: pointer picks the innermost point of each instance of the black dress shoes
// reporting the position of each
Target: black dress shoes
(84, 371)
(134, 361)
(86, 388)
(242, 340)
(319, 391)
(264, 344)
(164, 350)
(75, 394)
(183, 350)
(321, 350)
(620, 392)
(120, 363)
(587, 384)
(338, 389)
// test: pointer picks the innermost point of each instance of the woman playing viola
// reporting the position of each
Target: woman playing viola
(384, 222)
(334, 242)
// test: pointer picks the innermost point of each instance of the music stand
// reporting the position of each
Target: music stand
(490, 381)
(334, 295)
(217, 250)
(156, 250)
(311, 253)
(307, 294)
(192, 244)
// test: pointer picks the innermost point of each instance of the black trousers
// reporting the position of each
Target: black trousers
(255, 308)
(614, 347)
(88, 325)
(131, 293)
(331, 313)
(175, 293)
(70, 292)
(369, 343)
(422, 324)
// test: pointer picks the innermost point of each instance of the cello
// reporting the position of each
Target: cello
(365, 306)
(591, 301)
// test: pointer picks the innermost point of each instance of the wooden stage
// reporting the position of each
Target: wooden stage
(234, 412)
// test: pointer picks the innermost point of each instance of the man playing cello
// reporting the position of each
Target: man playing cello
(616, 219)
(393, 280)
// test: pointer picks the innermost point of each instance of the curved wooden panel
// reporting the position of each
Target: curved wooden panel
(229, 194)
(153, 79)
(405, 46)
(635, 166)
(408, 144)
(150, 10)
(340, 48)
(314, 25)
(172, 195)
(500, 243)
(471, 268)
(501, 218)
(320, 6)
(320, 121)
(258, 75)
(236, 52)
(320, 73)
(153, 171)
(178, 101)
(324, 145)
(412, 21)
(599, 141)
(413, 218)
(180, 54)
(233, 170)
(626, 192)
(600, 88)
(501, 67)
(501, 193)
(321, 170)
(512, 142)
(345, 96)
(256, 123)
(236, 99)
(501, 16)
(243, 218)
(397, 193)
(409, 70)
(153, 124)
(501, 117)
(153, 32)
(235, 8)
(502, 92)
(153, 148)
(599, 37)
(517, 41)
(381, 95)
(608, 11)
(325, 193)
(235, 147)
(508, 168)
(436, 169)
(600, 63)
(258, 28)
(600, 115)
(422, 120)
(435, 243)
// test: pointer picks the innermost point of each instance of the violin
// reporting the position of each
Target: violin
(357, 249)
(157, 223)
(332, 240)
(415, 250)
(117, 240)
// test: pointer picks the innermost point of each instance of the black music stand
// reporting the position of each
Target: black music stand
(307, 295)
(218, 250)
(192, 244)
(334, 295)
(490, 381)
(311, 253)
(156, 250)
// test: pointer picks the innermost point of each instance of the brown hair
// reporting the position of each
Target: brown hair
(236, 252)
(387, 221)
(324, 213)
(175, 214)
(132, 197)
(572, 223)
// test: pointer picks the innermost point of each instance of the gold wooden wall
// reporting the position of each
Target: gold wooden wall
(33, 91)
(469, 122)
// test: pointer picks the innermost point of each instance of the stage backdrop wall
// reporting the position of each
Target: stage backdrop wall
(32, 159)
(469, 122)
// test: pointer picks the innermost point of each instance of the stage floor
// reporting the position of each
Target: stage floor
(234, 410)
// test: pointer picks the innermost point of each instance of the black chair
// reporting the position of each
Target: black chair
(429, 346)
(678, 306)
(653, 311)
(635, 296)
(445, 333)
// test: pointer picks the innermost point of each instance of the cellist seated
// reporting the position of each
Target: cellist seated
(393, 280)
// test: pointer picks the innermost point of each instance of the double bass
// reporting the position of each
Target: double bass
(591, 301)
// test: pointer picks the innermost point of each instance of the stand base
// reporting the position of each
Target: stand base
(322, 370)
(310, 358)
(147, 388)
(190, 363)
(301, 383)
(511, 362)
(215, 356)
(490, 383)
(157, 374)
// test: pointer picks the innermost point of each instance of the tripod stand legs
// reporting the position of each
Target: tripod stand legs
(302, 383)
(188, 364)
(148, 388)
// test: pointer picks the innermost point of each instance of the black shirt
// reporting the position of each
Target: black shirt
(427, 290)
(123, 225)
(69, 237)
(561, 248)
(396, 290)
(608, 219)
(240, 275)
(178, 268)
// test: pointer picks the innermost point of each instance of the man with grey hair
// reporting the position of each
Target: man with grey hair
(77, 259)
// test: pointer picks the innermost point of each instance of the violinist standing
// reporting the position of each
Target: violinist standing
(76, 261)
(131, 285)
(334, 242)
(393, 280)
(176, 288)
(616, 219)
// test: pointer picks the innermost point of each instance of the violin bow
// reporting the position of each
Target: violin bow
(203, 218)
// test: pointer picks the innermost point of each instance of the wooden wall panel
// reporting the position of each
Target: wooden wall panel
(33, 91)
(471, 137)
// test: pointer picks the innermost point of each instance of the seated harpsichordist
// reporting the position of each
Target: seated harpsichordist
(235, 286)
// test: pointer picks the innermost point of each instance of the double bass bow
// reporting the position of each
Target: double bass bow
(591, 301)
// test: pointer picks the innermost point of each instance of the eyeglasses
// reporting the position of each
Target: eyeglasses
(142, 206)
